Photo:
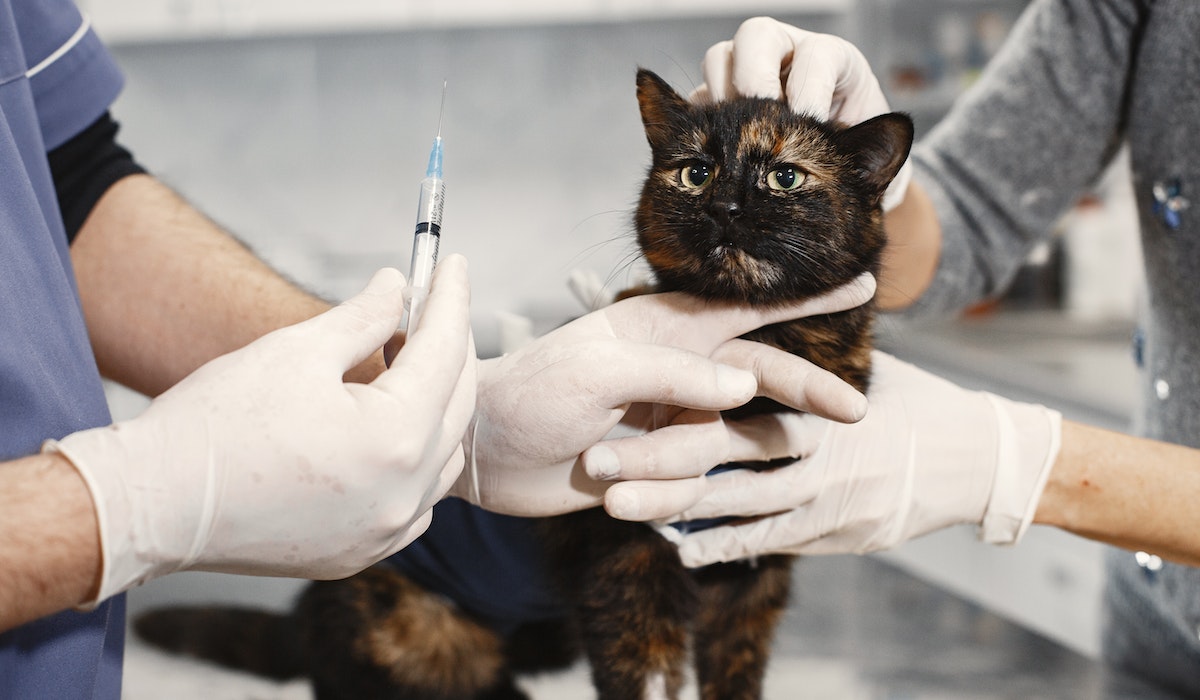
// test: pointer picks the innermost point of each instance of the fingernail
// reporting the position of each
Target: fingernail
(858, 407)
(868, 283)
(601, 463)
(736, 382)
(624, 504)
(688, 554)
(386, 280)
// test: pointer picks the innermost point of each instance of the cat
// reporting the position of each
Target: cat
(749, 203)
(745, 202)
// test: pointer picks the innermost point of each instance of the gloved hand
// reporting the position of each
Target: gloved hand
(818, 74)
(665, 363)
(264, 462)
(928, 454)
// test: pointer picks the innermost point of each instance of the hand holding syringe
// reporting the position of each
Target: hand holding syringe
(428, 234)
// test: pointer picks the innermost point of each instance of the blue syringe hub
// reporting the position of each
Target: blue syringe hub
(435, 159)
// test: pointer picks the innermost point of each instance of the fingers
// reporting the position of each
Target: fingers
(733, 493)
(839, 80)
(785, 533)
(697, 442)
(428, 369)
(770, 59)
(449, 475)
(747, 493)
(461, 406)
(693, 324)
(418, 528)
(754, 64)
(717, 68)
(353, 330)
(763, 51)
(794, 382)
(818, 74)
(642, 372)
(774, 436)
(816, 70)
(653, 500)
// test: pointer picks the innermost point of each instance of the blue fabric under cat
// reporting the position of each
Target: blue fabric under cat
(55, 79)
(491, 565)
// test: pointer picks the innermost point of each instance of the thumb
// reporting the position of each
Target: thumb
(353, 330)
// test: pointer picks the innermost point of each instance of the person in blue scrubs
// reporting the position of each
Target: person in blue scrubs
(263, 451)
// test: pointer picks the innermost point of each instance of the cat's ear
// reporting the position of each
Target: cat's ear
(879, 147)
(663, 110)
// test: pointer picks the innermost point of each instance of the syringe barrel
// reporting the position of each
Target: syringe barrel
(424, 257)
(431, 203)
(428, 232)
(426, 239)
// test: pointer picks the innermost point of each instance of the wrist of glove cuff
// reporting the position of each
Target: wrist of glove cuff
(135, 546)
(1030, 437)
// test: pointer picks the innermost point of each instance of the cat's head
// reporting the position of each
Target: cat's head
(746, 200)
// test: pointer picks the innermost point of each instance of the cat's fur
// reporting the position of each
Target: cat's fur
(740, 235)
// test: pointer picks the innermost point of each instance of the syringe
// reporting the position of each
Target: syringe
(428, 234)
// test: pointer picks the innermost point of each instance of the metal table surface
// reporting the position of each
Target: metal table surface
(858, 628)
(864, 629)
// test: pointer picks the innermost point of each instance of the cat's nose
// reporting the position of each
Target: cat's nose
(725, 211)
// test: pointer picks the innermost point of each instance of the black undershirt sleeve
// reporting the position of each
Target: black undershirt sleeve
(85, 167)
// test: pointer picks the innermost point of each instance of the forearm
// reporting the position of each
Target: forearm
(911, 256)
(164, 289)
(1131, 492)
(49, 543)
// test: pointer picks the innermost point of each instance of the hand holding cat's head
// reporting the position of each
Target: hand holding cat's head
(817, 74)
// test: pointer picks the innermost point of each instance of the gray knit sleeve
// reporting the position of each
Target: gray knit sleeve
(1024, 141)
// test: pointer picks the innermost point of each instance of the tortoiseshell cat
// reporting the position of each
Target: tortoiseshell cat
(745, 202)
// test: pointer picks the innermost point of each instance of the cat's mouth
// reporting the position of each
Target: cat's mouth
(741, 269)
(729, 255)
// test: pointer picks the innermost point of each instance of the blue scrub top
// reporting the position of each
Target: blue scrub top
(55, 79)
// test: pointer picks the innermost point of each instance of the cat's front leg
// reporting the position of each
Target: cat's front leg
(741, 605)
(634, 603)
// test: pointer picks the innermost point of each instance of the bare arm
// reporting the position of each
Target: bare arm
(1131, 492)
(911, 256)
(50, 548)
(165, 290)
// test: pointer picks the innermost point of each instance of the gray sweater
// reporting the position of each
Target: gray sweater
(1076, 80)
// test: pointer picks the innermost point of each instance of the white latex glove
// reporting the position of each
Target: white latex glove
(264, 462)
(818, 74)
(929, 454)
(536, 446)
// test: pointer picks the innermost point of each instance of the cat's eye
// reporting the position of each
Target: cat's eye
(786, 178)
(695, 175)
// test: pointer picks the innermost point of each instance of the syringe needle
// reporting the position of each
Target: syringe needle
(442, 111)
